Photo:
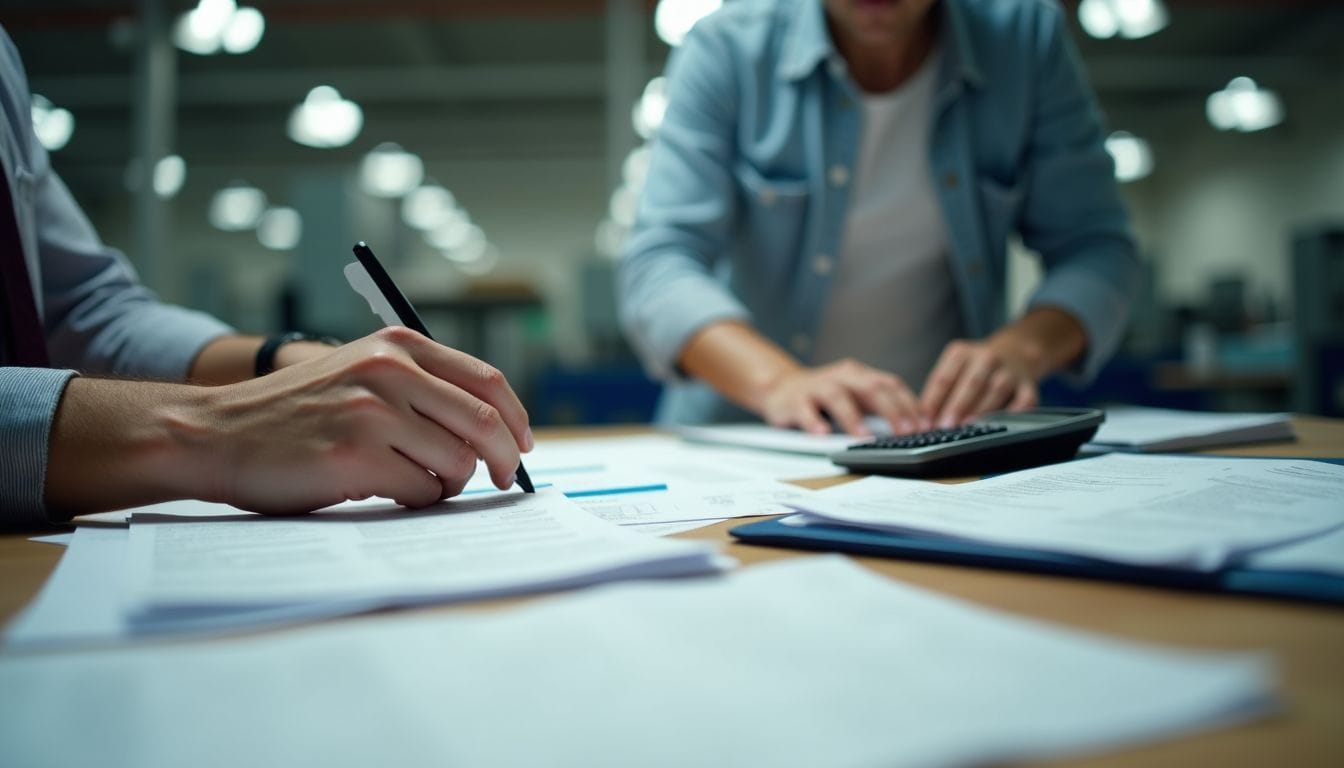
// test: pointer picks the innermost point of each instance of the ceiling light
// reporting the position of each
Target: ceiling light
(609, 239)
(427, 207)
(636, 166)
(473, 249)
(1132, 155)
(54, 126)
(624, 203)
(390, 171)
(325, 119)
(1244, 106)
(452, 232)
(674, 18)
(169, 175)
(649, 110)
(237, 207)
(1130, 19)
(280, 228)
(244, 30)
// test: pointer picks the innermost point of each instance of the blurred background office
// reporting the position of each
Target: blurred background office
(491, 151)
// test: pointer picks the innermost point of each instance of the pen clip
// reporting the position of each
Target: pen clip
(362, 282)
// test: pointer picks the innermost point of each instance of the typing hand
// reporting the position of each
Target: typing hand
(372, 418)
(845, 391)
(974, 377)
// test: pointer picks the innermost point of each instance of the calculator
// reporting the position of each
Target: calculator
(996, 442)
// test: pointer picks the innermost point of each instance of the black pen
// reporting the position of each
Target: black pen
(408, 317)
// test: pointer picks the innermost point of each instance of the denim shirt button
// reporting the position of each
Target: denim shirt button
(801, 343)
(950, 180)
(822, 264)
(768, 197)
(976, 268)
(839, 175)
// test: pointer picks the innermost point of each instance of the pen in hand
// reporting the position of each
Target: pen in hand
(395, 309)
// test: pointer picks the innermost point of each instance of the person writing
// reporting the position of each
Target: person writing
(823, 230)
(393, 414)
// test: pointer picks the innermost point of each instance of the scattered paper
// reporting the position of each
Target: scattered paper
(813, 661)
(1157, 429)
(1187, 512)
(718, 501)
(460, 549)
(59, 539)
(1319, 554)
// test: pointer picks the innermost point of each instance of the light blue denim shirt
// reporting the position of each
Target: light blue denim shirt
(97, 316)
(743, 192)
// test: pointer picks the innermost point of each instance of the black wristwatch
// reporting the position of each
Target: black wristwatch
(265, 360)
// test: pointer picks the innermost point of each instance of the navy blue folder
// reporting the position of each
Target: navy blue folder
(1298, 585)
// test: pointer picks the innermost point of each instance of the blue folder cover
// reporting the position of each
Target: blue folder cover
(1298, 585)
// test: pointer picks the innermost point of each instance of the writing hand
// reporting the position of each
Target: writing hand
(374, 417)
(845, 390)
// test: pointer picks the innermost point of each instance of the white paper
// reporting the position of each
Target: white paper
(718, 501)
(459, 549)
(1196, 513)
(669, 529)
(1319, 554)
(59, 539)
(83, 603)
(767, 438)
(1158, 429)
(809, 662)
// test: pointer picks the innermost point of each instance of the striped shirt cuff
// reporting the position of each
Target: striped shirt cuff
(29, 397)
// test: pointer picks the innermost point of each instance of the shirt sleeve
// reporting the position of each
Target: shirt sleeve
(30, 397)
(99, 318)
(1073, 215)
(666, 286)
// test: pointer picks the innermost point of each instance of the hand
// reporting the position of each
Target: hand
(393, 414)
(297, 352)
(845, 391)
(974, 377)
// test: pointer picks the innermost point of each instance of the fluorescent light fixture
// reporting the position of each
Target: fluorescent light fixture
(280, 228)
(244, 30)
(1244, 106)
(427, 207)
(673, 19)
(1130, 19)
(1132, 155)
(169, 175)
(483, 263)
(237, 207)
(652, 105)
(624, 203)
(325, 120)
(53, 125)
(390, 171)
(452, 232)
(609, 239)
(636, 166)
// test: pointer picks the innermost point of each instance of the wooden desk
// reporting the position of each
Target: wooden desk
(1307, 641)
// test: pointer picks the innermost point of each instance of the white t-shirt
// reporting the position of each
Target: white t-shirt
(893, 303)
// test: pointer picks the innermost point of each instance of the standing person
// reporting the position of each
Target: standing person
(823, 230)
(392, 414)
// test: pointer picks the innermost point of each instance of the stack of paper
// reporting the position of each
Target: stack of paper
(173, 573)
(810, 662)
(1152, 430)
(1198, 513)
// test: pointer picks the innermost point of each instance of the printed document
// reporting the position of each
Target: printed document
(805, 662)
(1131, 428)
(1186, 512)
(459, 549)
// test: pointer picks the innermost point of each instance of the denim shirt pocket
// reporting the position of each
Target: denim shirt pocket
(774, 211)
(1000, 205)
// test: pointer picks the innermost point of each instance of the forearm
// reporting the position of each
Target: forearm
(737, 361)
(229, 359)
(1045, 339)
(116, 444)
